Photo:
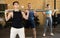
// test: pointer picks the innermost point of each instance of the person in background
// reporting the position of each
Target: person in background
(48, 13)
(30, 22)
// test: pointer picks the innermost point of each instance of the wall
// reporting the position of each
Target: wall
(58, 6)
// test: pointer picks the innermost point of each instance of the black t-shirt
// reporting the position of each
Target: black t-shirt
(17, 20)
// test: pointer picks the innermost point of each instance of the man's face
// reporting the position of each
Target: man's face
(29, 6)
(16, 5)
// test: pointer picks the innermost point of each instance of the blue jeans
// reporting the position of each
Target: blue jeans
(48, 21)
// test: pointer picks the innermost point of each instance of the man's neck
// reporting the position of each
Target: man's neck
(16, 9)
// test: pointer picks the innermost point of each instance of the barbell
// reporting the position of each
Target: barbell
(37, 10)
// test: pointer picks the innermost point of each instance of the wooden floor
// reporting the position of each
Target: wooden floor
(5, 33)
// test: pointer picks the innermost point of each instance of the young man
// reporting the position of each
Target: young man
(30, 21)
(48, 14)
(17, 20)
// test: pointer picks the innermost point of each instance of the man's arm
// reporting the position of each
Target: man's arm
(24, 15)
(43, 13)
(8, 15)
(35, 14)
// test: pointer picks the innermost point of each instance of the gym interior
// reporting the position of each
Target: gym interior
(38, 6)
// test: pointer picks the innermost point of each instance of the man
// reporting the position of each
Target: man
(30, 21)
(17, 20)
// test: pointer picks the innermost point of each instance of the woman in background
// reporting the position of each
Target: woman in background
(48, 12)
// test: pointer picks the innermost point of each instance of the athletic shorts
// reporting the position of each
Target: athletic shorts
(30, 24)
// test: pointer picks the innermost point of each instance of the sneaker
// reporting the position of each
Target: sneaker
(44, 35)
(52, 34)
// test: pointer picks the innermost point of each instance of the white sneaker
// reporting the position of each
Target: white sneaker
(44, 35)
(52, 34)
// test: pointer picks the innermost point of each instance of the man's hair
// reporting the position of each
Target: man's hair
(48, 5)
(15, 2)
(29, 3)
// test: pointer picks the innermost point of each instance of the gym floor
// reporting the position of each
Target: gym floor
(5, 33)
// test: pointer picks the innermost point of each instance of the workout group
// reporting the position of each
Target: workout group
(17, 15)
